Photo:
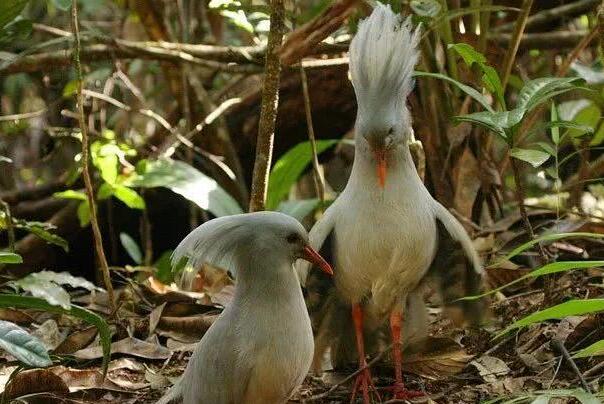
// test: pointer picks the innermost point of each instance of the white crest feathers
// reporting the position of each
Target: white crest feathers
(383, 54)
(217, 242)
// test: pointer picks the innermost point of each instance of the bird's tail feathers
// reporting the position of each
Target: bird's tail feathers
(383, 55)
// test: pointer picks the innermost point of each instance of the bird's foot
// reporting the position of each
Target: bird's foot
(401, 393)
(364, 383)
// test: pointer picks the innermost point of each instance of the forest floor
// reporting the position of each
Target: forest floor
(158, 326)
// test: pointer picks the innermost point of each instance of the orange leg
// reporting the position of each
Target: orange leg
(400, 392)
(363, 380)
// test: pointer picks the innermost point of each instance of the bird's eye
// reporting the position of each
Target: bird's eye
(390, 131)
(292, 238)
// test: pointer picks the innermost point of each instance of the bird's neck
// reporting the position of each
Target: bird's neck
(267, 279)
(400, 170)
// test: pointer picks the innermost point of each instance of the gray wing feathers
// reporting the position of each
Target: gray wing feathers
(317, 237)
(456, 269)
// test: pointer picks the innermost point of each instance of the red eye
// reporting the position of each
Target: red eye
(292, 238)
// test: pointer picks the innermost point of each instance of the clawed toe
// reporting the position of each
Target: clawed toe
(364, 382)
(401, 393)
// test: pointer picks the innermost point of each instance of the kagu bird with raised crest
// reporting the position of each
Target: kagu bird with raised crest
(385, 233)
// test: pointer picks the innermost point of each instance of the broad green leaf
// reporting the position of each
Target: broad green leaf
(71, 194)
(187, 181)
(45, 235)
(541, 239)
(426, 8)
(534, 157)
(84, 213)
(548, 269)
(129, 196)
(10, 9)
(492, 82)
(595, 349)
(23, 346)
(18, 301)
(538, 91)
(570, 308)
(105, 191)
(105, 157)
(548, 148)
(131, 248)
(490, 78)
(298, 209)
(497, 122)
(10, 258)
(468, 53)
(288, 169)
(481, 99)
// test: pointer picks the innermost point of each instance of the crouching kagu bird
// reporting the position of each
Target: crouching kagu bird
(385, 233)
(260, 348)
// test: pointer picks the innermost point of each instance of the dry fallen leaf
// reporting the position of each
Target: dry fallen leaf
(128, 346)
(490, 368)
(15, 316)
(49, 334)
(83, 379)
(76, 341)
(440, 358)
(34, 381)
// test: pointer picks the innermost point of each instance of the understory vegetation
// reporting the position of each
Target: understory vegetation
(126, 124)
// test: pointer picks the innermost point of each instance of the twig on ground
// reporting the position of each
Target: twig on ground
(352, 375)
(562, 349)
(98, 239)
(268, 112)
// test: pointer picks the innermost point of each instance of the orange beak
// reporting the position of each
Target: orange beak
(380, 157)
(313, 257)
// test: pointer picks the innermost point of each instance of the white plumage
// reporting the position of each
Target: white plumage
(382, 57)
(260, 348)
(385, 229)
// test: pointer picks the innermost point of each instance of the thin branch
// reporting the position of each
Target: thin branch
(98, 239)
(552, 14)
(268, 112)
(562, 349)
(317, 175)
(510, 56)
(542, 40)
(24, 116)
(586, 40)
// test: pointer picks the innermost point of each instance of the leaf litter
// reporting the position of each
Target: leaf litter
(159, 325)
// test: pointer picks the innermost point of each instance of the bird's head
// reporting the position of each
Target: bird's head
(383, 54)
(284, 233)
(382, 135)
(235, 243)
